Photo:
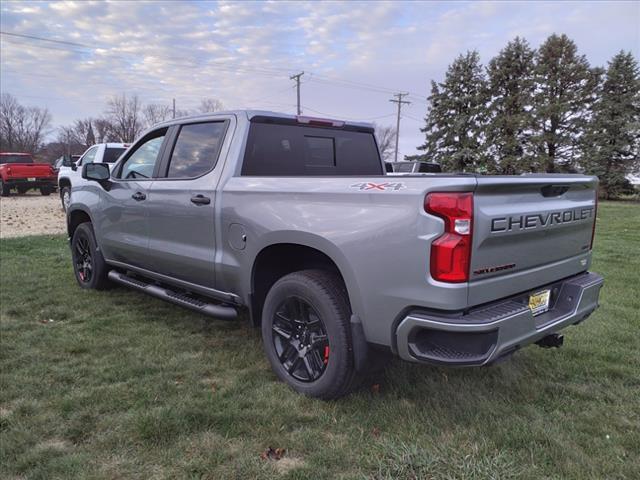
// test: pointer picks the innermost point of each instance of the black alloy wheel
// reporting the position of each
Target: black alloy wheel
(306, 333)
(83, 259)
(300, 339)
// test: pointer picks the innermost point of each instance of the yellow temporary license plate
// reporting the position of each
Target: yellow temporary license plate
(32, 179)
(539, 302)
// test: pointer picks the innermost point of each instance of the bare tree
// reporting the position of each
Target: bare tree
(208, 105)
(103, 130)
(156, 113)
(80, 133)
(22, 128)
(124, 115)
(386, 137)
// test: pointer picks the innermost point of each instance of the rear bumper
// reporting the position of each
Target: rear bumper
(490, 332)
(37, 183)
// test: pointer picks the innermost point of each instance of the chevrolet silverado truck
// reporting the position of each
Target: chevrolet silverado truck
(19, 171)
(68, 171)
(294, 221)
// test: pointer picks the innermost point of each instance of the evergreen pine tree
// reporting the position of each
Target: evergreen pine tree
(612, 143)
(565, 87)
(456, 116)
(510, 126)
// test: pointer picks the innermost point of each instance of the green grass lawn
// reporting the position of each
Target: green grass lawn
(120, 385)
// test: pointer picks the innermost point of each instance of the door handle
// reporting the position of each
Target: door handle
(138, 196)
(200, 200)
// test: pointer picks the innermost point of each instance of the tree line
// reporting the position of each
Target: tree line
(24, 129)
(544, 110)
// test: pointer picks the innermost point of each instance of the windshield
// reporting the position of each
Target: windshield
(16, 159)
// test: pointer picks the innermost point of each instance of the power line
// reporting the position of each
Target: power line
(412, 118)
(354, 119)
(225, 66)
(400, 102)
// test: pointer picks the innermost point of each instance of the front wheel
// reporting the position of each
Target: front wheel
(65, 197)
(88, 263)
(306, 334)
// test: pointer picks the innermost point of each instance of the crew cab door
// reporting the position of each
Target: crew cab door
(123, 219)
(181, 206)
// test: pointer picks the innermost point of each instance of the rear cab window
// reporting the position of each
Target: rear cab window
(292, 149)
(16, 158)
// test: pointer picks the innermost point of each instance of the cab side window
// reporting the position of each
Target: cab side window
(196, 149)
(142, 160)
(89, 156)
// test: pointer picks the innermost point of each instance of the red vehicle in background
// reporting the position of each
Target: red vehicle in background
(19, 171)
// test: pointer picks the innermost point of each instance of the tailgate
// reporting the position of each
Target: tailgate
(528, 231)
(30, 170)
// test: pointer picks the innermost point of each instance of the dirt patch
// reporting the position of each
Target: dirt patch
(286, 464)
(53, 444)
(31, 214)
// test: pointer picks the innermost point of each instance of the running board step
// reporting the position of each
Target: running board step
(221, 312)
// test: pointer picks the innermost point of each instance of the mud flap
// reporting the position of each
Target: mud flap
(359, 344)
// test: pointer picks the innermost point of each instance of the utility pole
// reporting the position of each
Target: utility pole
(297, 79)
(400, 102)
(174, 108)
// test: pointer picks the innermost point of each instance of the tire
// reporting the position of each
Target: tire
(323, 297)
(65, 197)
(89, 266)
(45, 191)
(5, 190)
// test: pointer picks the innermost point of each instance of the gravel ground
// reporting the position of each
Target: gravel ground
(31, 214)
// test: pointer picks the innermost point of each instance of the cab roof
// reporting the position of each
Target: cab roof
(251, 114)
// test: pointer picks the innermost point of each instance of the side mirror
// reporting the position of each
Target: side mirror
(98, 172)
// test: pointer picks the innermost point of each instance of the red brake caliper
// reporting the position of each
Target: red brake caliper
(326, 354)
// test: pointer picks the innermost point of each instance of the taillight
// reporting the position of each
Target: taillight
(451, 252)
(595, 217)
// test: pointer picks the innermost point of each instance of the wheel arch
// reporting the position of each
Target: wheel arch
(278, 259)
(75, 218)
(63, 182)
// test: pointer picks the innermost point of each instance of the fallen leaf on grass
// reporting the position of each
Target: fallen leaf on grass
(375, 432)
(375, 388)
(272, 453)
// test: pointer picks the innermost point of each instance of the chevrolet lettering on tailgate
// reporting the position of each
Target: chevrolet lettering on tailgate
(537, 220)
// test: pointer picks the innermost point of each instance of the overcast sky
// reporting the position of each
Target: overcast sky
(354, 54)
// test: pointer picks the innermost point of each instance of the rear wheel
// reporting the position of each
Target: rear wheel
(5, 190)
(88, 263)
(65, 197)
(306, 334)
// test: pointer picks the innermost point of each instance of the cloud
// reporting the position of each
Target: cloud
(244, 52)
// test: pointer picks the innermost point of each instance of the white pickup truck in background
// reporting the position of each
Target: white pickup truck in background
(71, 174)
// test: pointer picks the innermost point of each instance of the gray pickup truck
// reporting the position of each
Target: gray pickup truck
(293, 220)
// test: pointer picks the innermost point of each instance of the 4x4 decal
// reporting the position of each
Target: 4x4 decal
(378, 186)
